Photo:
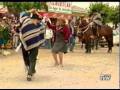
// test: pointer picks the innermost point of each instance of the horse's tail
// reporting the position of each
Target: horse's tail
(112, 40)
(111, 34)
(112, 37)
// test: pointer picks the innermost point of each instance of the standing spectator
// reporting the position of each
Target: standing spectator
(48, 37)
(4, 36)
(1, 37)
(73, 34)
(15, 36)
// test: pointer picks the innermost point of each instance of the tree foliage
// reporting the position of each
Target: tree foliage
(110, 14)
(115, 16)
(17, 7)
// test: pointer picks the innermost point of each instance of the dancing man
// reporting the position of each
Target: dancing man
(31, 36)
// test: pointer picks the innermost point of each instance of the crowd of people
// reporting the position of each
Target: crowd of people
(30, 31)
(6, 36)
(9, 38)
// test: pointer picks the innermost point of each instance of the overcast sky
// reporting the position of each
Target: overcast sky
(86, 4)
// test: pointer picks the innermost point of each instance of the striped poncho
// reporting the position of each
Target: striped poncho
(31, 35)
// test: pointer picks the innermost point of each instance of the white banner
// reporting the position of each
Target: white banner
(60, 7)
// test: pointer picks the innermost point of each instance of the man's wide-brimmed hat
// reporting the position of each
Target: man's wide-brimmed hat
(35, 16)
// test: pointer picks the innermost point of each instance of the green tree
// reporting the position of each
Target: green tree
(110, 14)
(1, 3)
(13, 7)
(114, 16)
(17, 7)
(100, 7)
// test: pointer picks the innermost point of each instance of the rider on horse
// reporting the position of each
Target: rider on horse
(97, 22)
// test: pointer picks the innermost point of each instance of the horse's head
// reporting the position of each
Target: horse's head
(80, 34)
(82, 27)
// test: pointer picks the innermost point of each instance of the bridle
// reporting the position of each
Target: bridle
(87, 27)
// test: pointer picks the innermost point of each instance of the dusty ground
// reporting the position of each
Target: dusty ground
(80, 70)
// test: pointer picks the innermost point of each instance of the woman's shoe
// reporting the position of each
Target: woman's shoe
(56, 64)
(61, 65)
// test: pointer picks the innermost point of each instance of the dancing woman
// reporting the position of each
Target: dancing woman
(61, 37)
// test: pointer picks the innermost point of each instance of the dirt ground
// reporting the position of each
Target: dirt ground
(80, 70)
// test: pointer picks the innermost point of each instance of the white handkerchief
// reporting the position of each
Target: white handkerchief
(18, 48)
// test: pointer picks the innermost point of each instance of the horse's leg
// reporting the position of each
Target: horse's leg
(110, 43)
(96, 43)
(86, 47)
(90, 47)
(110, 39)
(92, 44)
(82, 45)
(109, 47)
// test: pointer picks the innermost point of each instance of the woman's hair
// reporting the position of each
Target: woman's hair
(62, 21)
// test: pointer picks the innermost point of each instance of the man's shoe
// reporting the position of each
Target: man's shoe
(29, 77)
(33, 72)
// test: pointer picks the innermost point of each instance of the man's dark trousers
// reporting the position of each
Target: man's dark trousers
(30, 58)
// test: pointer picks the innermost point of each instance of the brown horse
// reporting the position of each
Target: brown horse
(107, 32)
(87, 35)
